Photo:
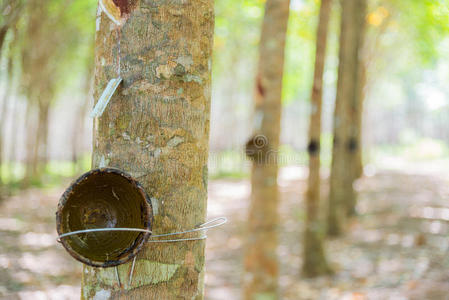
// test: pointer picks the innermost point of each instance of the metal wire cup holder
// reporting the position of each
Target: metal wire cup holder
(104, 218)
(203, 227)
(104, 199)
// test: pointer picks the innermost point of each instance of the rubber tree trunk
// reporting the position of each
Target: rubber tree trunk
(11, 12)
(356, 109)
(14, 124)
(359, 122)
(37, 138)
(30, 142)
(77, 133)
(33, 154)
(37, 122)
(261, 265)
(36, 80)
(3, 114)
(315, 262)
(42, 134)
(4, 108)
(3, 32)
(340, 185)
(156, 127)
(12, 146)
(80, 118)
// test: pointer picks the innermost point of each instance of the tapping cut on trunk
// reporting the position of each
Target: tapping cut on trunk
(315, 262)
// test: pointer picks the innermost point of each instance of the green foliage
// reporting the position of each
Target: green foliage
(237, 33)
(403, 35)
(424, 22)
(55, 45)
(300, 51)
(237, 30)
(406, 37)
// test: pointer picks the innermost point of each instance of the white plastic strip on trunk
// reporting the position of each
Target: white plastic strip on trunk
(105, 10)
(105, 97)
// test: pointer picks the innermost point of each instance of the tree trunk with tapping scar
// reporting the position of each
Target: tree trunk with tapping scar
(315, 263)
(358, 168)
(340, 190)
(156, 127)
(356, 109)
(261, 266)
(342, 196)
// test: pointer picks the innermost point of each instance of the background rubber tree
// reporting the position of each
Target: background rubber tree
(9, 16)
(354, 148)
(38, 81)
(261, 265)
(51, 40)
(315, 262)
(156, 127)
(3, 113)
(10, 11)
(340, 181)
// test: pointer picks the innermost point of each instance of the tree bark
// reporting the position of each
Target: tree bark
(9, 19)
(41, 50)
(5, 102)
(77, 133)
(29, 143)
(3, 32)
(261, 265)
(315, 262)
(79, 128)
(340, 185)
(34, 79)
(14, 124)
(42, 128)
(37, 138)
(355, 125)
(358, 122)
(156, 127)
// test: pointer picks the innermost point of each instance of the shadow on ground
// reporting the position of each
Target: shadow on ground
(396, 249)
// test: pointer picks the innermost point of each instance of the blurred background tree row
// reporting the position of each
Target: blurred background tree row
(346, 86)
(47, 64)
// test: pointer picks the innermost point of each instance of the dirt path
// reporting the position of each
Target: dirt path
(397, 248)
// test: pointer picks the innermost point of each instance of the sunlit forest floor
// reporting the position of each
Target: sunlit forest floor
(397, 248)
